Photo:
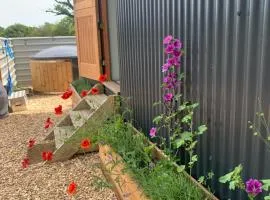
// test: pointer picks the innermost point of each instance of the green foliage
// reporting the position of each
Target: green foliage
(64, 27)
(64, 7)
(2, 31)
(266, 187)
(260, 127)
(178, 120)
(160, 180)
(17, 30)
(82, 84)
(234, 178)
(204, 180)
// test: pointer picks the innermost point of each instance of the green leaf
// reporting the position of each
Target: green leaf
(226, 178)
(157, 119)
(267, 197)
(181, 168)
(195, 105)
(178, 96)
(201, 129)
(187, 118)
(192, 145)
(156, 103)
(179, 142)
(186, 136)
(232, 185)
(194, 158)
(182, 107)
(201, 180)
(266, 184)
(232, 176)
(210, 175)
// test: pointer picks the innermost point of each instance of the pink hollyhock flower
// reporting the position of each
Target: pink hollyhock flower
(153, 132)
(165, 67)
(177, 44)
(167, 39)
(168, 97)
(253, 187)
(173, 61)
(169, 49)
(177, 53)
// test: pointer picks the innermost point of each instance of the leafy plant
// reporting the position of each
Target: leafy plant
(234, 178)
(205, 179)
(160, 180)
(177, 118)
(260, 127)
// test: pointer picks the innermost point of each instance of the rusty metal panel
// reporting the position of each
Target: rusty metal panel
(227, 69)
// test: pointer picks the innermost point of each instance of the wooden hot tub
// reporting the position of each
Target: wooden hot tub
(51, 75)
(53, 69)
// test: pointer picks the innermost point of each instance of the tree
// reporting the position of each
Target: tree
(2, 31)
(64, 7)
(18, 30)
(65, 27)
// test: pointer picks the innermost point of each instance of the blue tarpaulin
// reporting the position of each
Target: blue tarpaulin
(9, 54)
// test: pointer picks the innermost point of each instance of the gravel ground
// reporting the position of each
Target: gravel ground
(43, 181)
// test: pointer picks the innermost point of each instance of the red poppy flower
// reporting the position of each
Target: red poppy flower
(84, 93)
(31, 143)
(94, 91)
(102, 78)
(48, 123)
(67, 94)
(25, 163)
(85, 144)
(72, 188)
(47, 155)
(58, 110)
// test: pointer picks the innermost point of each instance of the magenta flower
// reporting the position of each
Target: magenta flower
(253, 187)
(173, 61)
(169, 49)
(167, 39)
(177, 53)
(153, 132)
(168, 97)
(177, 44)
(165, 67)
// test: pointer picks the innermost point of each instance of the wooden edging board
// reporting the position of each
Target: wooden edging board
(159, 154)
(113, 169)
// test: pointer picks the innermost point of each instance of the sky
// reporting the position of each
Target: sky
(27, 12)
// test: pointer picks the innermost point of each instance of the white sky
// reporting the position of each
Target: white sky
(27, 12)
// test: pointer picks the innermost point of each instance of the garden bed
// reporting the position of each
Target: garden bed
(139, 170)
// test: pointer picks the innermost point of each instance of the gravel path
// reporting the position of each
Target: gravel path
(43, 181)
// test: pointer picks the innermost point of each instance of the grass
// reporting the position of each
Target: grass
(159, 179)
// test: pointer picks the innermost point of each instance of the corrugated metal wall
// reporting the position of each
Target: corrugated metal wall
(227, 68)
(25, 48)
(6, 63)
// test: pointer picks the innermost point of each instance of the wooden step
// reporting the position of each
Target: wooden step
(35, 153)
(112, 87)
(79, 117)
(61, 134)
(95, 101)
